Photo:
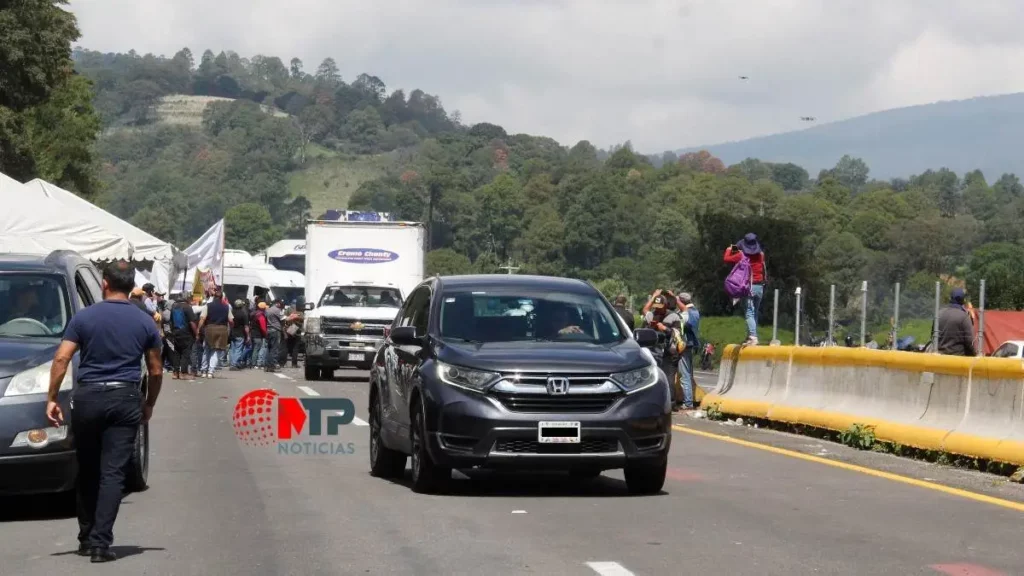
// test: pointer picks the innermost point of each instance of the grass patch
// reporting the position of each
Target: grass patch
(328, 179)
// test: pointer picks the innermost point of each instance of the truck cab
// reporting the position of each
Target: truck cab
(347, 325)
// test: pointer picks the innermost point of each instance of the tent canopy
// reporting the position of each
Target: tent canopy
(42, 225)
(147, 246)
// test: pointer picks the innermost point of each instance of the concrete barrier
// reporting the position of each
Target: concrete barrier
(968, 406)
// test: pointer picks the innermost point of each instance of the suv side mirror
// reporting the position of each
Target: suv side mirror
(646, 337)
(406, 336)
(308, 306)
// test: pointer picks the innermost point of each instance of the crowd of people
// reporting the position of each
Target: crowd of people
(205, 335)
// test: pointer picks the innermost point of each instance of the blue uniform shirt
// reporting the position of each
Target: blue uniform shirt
(112, 336)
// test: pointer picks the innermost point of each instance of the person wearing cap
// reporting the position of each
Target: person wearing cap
(626, 315)
(663, 317)
(750, 247)
(956, 331)
(111, 338)
(258, 334)
(239, 333)
(691, 336)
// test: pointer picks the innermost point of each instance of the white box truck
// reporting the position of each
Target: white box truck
(357, 276)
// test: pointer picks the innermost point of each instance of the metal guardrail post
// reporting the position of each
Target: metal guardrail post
(863, 313)
(831, 315)
(981, 319)
(775, 320)
(896, 316)
(935, 325)
(796, 335)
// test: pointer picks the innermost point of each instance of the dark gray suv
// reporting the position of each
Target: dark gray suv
(525, 372)
(38, 296)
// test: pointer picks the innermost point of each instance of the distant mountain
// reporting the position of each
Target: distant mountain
(983, 133)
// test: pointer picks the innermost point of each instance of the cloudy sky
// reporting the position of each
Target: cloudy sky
(661, 73)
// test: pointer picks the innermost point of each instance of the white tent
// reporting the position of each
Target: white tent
(33, 224)
(147, 246)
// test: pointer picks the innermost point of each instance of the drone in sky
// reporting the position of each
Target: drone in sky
(744, 77)
(808, 118)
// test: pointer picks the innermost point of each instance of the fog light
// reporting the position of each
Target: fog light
(40, 437)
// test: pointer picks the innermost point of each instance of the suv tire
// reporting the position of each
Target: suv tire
(384, 462)
(427, 477)
(137, 478)
(310, 373)
(645, 479)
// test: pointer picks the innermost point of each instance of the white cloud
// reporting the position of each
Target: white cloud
(662, 73)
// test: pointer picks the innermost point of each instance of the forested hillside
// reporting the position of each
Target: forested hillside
(490, 196)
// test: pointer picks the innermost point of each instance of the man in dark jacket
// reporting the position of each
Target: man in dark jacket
(956, 331)
(620, 307)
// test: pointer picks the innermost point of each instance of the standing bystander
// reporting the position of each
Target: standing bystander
(106, 405)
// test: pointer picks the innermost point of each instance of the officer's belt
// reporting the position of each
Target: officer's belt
(108, 385)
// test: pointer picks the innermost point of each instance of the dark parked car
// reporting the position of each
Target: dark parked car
(38, 296)
(526, 372)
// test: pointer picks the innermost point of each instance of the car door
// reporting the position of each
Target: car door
(409, 358)
(390, 392)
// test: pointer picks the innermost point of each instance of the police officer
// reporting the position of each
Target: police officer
(106, 405)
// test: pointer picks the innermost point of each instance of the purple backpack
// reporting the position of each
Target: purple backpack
(737, 283)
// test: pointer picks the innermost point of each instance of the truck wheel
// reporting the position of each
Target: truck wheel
(311, 373)
(326, 374)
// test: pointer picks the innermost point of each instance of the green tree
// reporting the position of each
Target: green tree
(1002, 268)
(447, 262)
(47, 121)
(327, 73)
(249, 227)
(790, 176)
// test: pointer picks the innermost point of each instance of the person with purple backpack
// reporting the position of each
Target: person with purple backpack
(747, 279)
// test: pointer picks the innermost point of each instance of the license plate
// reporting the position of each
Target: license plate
(356, 357)
(558, 432)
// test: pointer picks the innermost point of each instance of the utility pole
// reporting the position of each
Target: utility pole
(509, 268)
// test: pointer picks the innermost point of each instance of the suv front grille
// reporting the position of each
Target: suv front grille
(344, 327)
(568, 404)
(586, 446)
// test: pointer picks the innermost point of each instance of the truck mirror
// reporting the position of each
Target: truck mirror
(308, 306)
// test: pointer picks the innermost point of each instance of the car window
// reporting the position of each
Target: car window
(404, 317)
(33, 305)
(84, 294)
(1007, 350)
(92, 283)
(421, 311)
(522, 314)
(236, 292)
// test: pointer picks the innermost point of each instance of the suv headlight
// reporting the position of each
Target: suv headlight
(636, 380)
(312, 325)
(467, 378)
(35, 381)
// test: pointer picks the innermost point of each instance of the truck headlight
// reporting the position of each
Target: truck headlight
(35, 381)
(312, 325)
(639, 379)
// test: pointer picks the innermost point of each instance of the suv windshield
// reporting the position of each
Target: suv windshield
(508, 316)
(361, 296)
(33, 305)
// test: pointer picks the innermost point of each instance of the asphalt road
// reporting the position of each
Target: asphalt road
(218, 507)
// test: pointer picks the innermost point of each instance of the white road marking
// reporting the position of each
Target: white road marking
(609, 569)
(355, 420)
(283, 376)
(309, 391)
(519, 511)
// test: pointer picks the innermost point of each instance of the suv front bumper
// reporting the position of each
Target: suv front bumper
(466, 429)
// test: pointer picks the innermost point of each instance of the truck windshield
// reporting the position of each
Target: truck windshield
(33, 305)
(361, 296)
(503, 316)
(290, 294)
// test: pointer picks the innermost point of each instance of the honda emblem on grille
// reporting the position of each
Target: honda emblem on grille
(558, 386)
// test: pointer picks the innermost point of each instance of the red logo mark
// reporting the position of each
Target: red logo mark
(254, 417)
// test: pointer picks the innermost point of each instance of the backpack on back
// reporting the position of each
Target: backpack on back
(737, 283)
(178, 319)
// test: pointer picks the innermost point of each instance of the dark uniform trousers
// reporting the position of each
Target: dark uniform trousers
(105, 421)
